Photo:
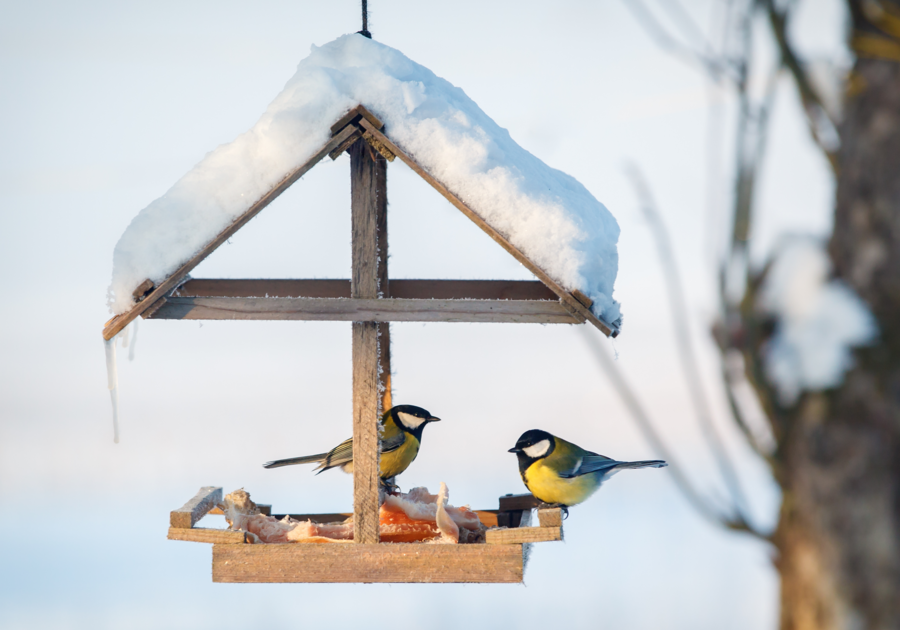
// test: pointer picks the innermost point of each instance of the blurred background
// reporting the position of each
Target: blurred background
(106, 104)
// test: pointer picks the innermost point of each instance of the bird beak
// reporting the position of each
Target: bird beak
(433, 419)
(514, 450)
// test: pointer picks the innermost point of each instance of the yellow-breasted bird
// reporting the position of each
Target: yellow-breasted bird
(401, 435)
(561, 473)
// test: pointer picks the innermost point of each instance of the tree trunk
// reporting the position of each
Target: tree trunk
(838, 538)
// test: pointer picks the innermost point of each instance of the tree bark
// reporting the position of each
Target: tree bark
(838, 538)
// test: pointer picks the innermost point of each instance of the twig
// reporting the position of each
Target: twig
(812, 102)
(689, 364)
(717, 68)
(620, 385)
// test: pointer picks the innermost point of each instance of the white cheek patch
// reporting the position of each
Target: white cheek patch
(538, 449)
(410, 421)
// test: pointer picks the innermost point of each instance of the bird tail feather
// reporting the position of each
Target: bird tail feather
(307, 459)
(652, 463)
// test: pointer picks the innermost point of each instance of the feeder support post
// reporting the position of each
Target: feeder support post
(368, 190)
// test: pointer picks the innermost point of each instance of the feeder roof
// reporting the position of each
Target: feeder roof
(548, 215)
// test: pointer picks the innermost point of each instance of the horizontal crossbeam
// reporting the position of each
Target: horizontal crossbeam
(365, 310)
(404, 289)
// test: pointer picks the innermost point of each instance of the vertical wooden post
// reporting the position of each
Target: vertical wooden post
(384, 288)
(368, 192)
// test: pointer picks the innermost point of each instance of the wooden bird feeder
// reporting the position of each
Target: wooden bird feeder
(370, 301)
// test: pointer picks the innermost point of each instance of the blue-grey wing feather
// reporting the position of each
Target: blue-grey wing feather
(598, 463)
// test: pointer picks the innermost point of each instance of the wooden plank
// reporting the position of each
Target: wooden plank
(116, 324)
(488, 518)
(581, 297)
(195, 509)
(336, 153)
(512, 502)
(371, 310)
(385, 400)
(142, 289)
(205, 535)
(550, 517)
(364, 195)
(577, 308)
(392, 563)
(354, 115)
(521, 535)
(408, 289)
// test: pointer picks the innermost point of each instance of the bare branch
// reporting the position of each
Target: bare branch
(717, 68)
(621, 386)
(690, 367)
(812, 102)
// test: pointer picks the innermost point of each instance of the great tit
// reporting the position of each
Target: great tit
(401, 434)
(564, 474)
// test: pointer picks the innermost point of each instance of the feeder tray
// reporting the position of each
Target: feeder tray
(370, 301)
(500, 559)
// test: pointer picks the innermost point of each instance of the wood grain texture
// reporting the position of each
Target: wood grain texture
(369, 310)
(142, 289)
(354, 115)
(340, 288)
(116, 324)
(364, 195)
(520, 535)
(385, 400)
(576, 308)
(336, 153)
(195, 509)
(205, 535)
(393, 563)
(519, 502)
(550, 517)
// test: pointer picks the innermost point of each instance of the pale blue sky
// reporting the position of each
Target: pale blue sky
(106, 105)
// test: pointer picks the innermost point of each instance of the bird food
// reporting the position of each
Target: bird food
(416, 516)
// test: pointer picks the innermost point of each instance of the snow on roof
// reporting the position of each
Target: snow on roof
(818, 321)
(547, 214)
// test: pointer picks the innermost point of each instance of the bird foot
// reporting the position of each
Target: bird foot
(390, 487)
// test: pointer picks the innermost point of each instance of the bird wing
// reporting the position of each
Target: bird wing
(588, 463)
(598, 463)
(343, 452)
(393, 443)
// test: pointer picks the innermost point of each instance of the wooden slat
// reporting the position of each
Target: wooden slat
(385, 400)
(393, 563)
(142, 289)
(204, 535)
(355, 114)
(550, 517)
(336, 153)
(519, 502)
(488, 518)
(365, 310)
(403, 288)
(577, 308)
(520, 535)
(116, 324)
(364, 285)
(195, 509)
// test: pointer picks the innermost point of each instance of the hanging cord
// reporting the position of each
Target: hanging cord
(365, 20)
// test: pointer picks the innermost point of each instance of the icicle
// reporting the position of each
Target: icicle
(112, 377)
(133, 340)
(124, 336)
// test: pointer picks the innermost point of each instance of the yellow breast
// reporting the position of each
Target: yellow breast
(549, 487)
(398, 460)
